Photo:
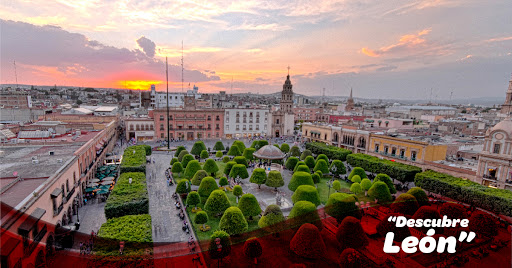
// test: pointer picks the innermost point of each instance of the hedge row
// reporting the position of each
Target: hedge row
(134, 230)
(399, 171)
(128, 198)
(496, 200)
(332, 152)
(134, 162)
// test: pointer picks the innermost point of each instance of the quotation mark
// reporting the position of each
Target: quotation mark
(392, 218)
(464, 235)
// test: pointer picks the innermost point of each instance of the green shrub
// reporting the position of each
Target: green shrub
(483, 224)
(186, 159)
(225, 242)
(306, 193)
(332, 152)
(420, 196)
(336, 185)
(341, 205)
(191, 169)
(241, 160)
(249, 206)
(356, 179)
(291, 162)
(177, 167)
(340, 168)
(233, 221)
(302, 168)
(240, 145)
(248, 153)
(274, 179)
(276, 145)
(322, 166)
(298, 179)
(322, 156)
(217, 202)
(174, 160)
(201, 218)
(380, 191)
(147, 148)
(356, 188)
(405, 204)
(350, 234)
(285, 148)
(295, 151)
(182, 154)
(225, 159)
(310, 161)
(305, 154)
(197, 148)
(219, 146)
(134, 162)
(387, 180)
(259, 176)
(366, 184)
(239, 170)
(304, 212)
(399, 171)
(308, 242)
(178, 151)
(200, 174)
(219, 154)
(300, 163)
(193, 199)
(237, 191)
(316, 178)
(271, 216)
(183, 187)
(223, 181)
(207, 186)
(357, 171)
(204, 154)
(128, 198)
(234, 151)
(131, 228)
(211, 167)
(228, 167)
(453, 211)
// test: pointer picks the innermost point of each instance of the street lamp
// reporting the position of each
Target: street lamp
(329, 184)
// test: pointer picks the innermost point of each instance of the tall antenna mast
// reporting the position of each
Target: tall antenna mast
(181, 66)
(231, 85)
(16, 75)
(167, 80)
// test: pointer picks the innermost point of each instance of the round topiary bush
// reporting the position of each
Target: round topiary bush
(240, 145)
(356, 188)
(234, 151)
(297, 165)
(453, 211)
(349, 258)
(380, 192)
(306, 193)
(200, 174)
(302, 168)
(420, 196)
(237, 191)
(177, 167)
(223, 182)
(204, 154)
(259, 176)
(233, 221)
(366, 184)
(228, 167)
(336, 185)
(304, 212)
(350, 234)
(291, 162)
(211, 167)
(305, 154)
(252, 249)
(191, 169)
(193, 199)
(207, 186)
(285, 148)
(241, 160)
(356, 179)
(295, 151)
(219, 146)
(217, 202)
(197, 148)
(300, 178)
(427, 212)
(201, 218)
(337, 168)
(405, 204)
(183, 187)
(308, 242)
(271, 216)
(226, 159)
(178, 151)
(225, 242)
(274, 179)
(322, 156)
(239, 170)
(248, 153)
(357, 171)
(387, 180)
(385, 226)
(249, 206)
(310, 162)
(174, 160)
(315, 177)
(219, 154)
(483, 224)
(341, 205)
(186, 159)
(321, 165)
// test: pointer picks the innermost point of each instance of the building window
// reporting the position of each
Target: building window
(217, 127)
(161, 118)
(496, 149)
(161, 126)
(217, 118)
(227, 127)
(393, 151)
(402, 153)
(386, 149)
(257, 127)
(245, 128)
(161, 135)
(209, 117)
(277, 121)
(237, 127)
(413, 156)
(376, 148)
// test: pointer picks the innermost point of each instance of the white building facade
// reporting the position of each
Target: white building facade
(246, 122)
(176, 99)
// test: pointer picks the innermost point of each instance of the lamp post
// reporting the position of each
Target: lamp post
(329, 184)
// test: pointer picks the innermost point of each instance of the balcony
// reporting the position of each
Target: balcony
(39, 236)
(70, 193)
(58, 210)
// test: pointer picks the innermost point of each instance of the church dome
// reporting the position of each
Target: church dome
(505, 126)
(269, 152)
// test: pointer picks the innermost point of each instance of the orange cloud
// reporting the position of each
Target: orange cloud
(369, 52)
(407, 41)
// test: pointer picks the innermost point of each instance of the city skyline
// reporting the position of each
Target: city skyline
(380, 50)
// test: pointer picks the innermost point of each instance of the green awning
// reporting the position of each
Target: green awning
(103, 191)
(89, 189)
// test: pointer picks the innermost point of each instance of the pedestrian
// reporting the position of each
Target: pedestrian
(81, 248)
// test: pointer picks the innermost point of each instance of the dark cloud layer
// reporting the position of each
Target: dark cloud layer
(147, 46)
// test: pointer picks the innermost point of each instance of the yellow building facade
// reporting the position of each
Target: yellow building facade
(405, 149)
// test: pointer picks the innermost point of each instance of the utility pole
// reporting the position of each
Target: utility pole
(167, 80)
(16, 75)
(181, 66)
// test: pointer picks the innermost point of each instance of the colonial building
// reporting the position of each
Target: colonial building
(246, 123)
(283, 119)
(506, 108)
(406, 149)
(494, 165)
(140, 129)
(346, 137)
(306, 114)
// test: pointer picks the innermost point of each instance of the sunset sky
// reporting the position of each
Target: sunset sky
(382, 49)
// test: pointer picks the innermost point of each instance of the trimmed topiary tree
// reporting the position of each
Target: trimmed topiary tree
(238, 191)
(356, 179)
(200, 174)
(285, 148)
(207, 186)
(219, 146)
(241, 160)
(217, 202)
(308, 242)
(219, 154)
(193, 199)
(174, 160)
(248, 153)
(186, 159)
(252, 249)
(315, 177)
(340, 168)
(306, 193)
(341, 205)
(310, 161)
(357, 171)
(427, 212)
(387, 180)
(201, 218)
(177, 168)
(225, 242)
(271, 216)
(259, 176)
(228, 167)
(274, 179)
(322, 156)
(295, 151)
(225, 159)
(380, 192)
(302, 168)
(233, 221)
(234, 151)
(356, 188)
(483, 224)
(385, 226)
(420, 196)
(239, 170)
(204, 154)
(453, 211)
(300, 178)
(291, 162)
(366, 184)
(191, 169)
(322, 166)
(305, 154)
(182, 154)
(211, 167)
(405, 204)
(349, 258)
(178, 151)
(304, 212)
(276, 145)
(223, 182)
(183, 187)
(197, 148)
(350, 234)
(249, 206)
(336, 185)
(240, 145)
(300, 163)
